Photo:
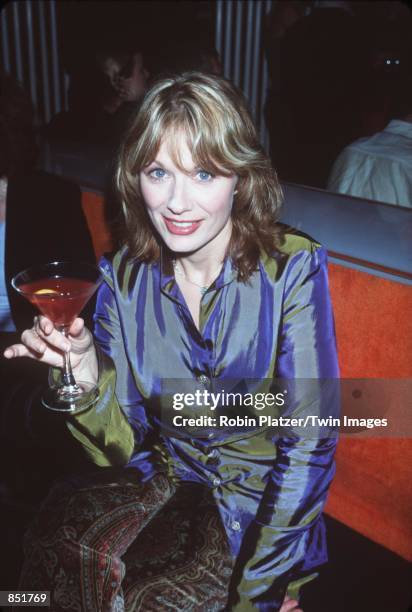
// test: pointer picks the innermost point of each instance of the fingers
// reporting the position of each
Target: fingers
(77, 328)
(80, 337)
(47, 326)
(44, 333)
(48, 356)
(43, 324)
(16, 350)
(33, 341)
(290, 605)
(45, 343)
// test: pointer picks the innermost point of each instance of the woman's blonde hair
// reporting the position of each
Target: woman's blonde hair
(212, 114)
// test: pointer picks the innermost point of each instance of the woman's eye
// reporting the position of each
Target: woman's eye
(157, 173)
(204, 176)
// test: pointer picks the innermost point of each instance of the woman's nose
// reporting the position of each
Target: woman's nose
(179, 197)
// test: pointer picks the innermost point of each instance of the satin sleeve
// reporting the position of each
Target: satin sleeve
(113, 428)
(286, 540)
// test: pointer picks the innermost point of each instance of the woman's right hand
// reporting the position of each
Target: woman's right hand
(290, 605)
(44, 343)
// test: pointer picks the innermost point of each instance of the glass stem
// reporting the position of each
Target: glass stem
(68, 378)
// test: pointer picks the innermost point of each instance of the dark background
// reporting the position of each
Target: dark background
(153, 24)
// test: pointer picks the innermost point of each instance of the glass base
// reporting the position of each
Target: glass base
(74, 402)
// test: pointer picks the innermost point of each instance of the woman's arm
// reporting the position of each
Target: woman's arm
(286, 540)
(111, 430)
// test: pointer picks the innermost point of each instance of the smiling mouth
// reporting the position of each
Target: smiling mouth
(181, 228)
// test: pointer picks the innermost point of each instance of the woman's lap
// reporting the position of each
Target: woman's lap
(87, 533)
(190, 565)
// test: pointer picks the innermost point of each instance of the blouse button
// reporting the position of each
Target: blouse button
(212, 461)
(235, 526)
(212, 457)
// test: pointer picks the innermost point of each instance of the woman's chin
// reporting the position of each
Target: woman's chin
(182, 244)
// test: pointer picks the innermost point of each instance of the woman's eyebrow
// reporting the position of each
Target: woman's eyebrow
(157, 162)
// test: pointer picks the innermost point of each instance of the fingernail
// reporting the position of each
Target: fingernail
(8, 353)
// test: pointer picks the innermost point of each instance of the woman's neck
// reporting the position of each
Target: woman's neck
(204, 265)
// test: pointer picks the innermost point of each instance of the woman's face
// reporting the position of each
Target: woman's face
(190, 210)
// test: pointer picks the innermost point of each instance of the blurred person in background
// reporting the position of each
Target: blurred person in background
(104, 90)
(387, 28)
(324, 91)
(315, 83)
(380, 167)
(124, 81)
(198, 54)
(315, 77)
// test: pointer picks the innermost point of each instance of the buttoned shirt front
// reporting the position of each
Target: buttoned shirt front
(269, 489)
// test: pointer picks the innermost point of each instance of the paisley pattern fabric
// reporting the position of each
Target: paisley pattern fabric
(103, 546)
(187, 563)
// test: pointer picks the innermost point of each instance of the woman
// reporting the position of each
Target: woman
(207, 290)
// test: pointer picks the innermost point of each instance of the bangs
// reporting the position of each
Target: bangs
(209, 153)
(204, 153)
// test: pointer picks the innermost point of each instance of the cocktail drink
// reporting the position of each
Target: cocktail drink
(60, 290)
(59, 299)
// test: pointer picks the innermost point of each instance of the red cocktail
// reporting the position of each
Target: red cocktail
(59, 299)
(60, 290)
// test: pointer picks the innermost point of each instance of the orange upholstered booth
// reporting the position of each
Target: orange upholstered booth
(94, 211)
(372, 490)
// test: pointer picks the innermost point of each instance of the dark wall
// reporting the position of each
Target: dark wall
(150, 24)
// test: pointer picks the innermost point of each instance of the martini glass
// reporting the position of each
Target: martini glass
(60, 290)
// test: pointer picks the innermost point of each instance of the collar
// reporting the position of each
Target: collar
(168, 283)
(399, 127)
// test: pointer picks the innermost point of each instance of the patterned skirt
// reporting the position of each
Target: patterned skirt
(106, 543)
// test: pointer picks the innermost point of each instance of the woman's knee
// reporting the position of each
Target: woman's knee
(105, 517)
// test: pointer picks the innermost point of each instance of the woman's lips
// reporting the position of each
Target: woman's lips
(182, 228)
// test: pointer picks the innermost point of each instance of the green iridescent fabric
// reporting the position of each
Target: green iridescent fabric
(269, 487)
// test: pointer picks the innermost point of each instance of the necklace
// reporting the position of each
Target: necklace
(202, 288)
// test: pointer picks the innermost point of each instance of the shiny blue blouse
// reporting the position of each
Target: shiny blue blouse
(269, 488)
